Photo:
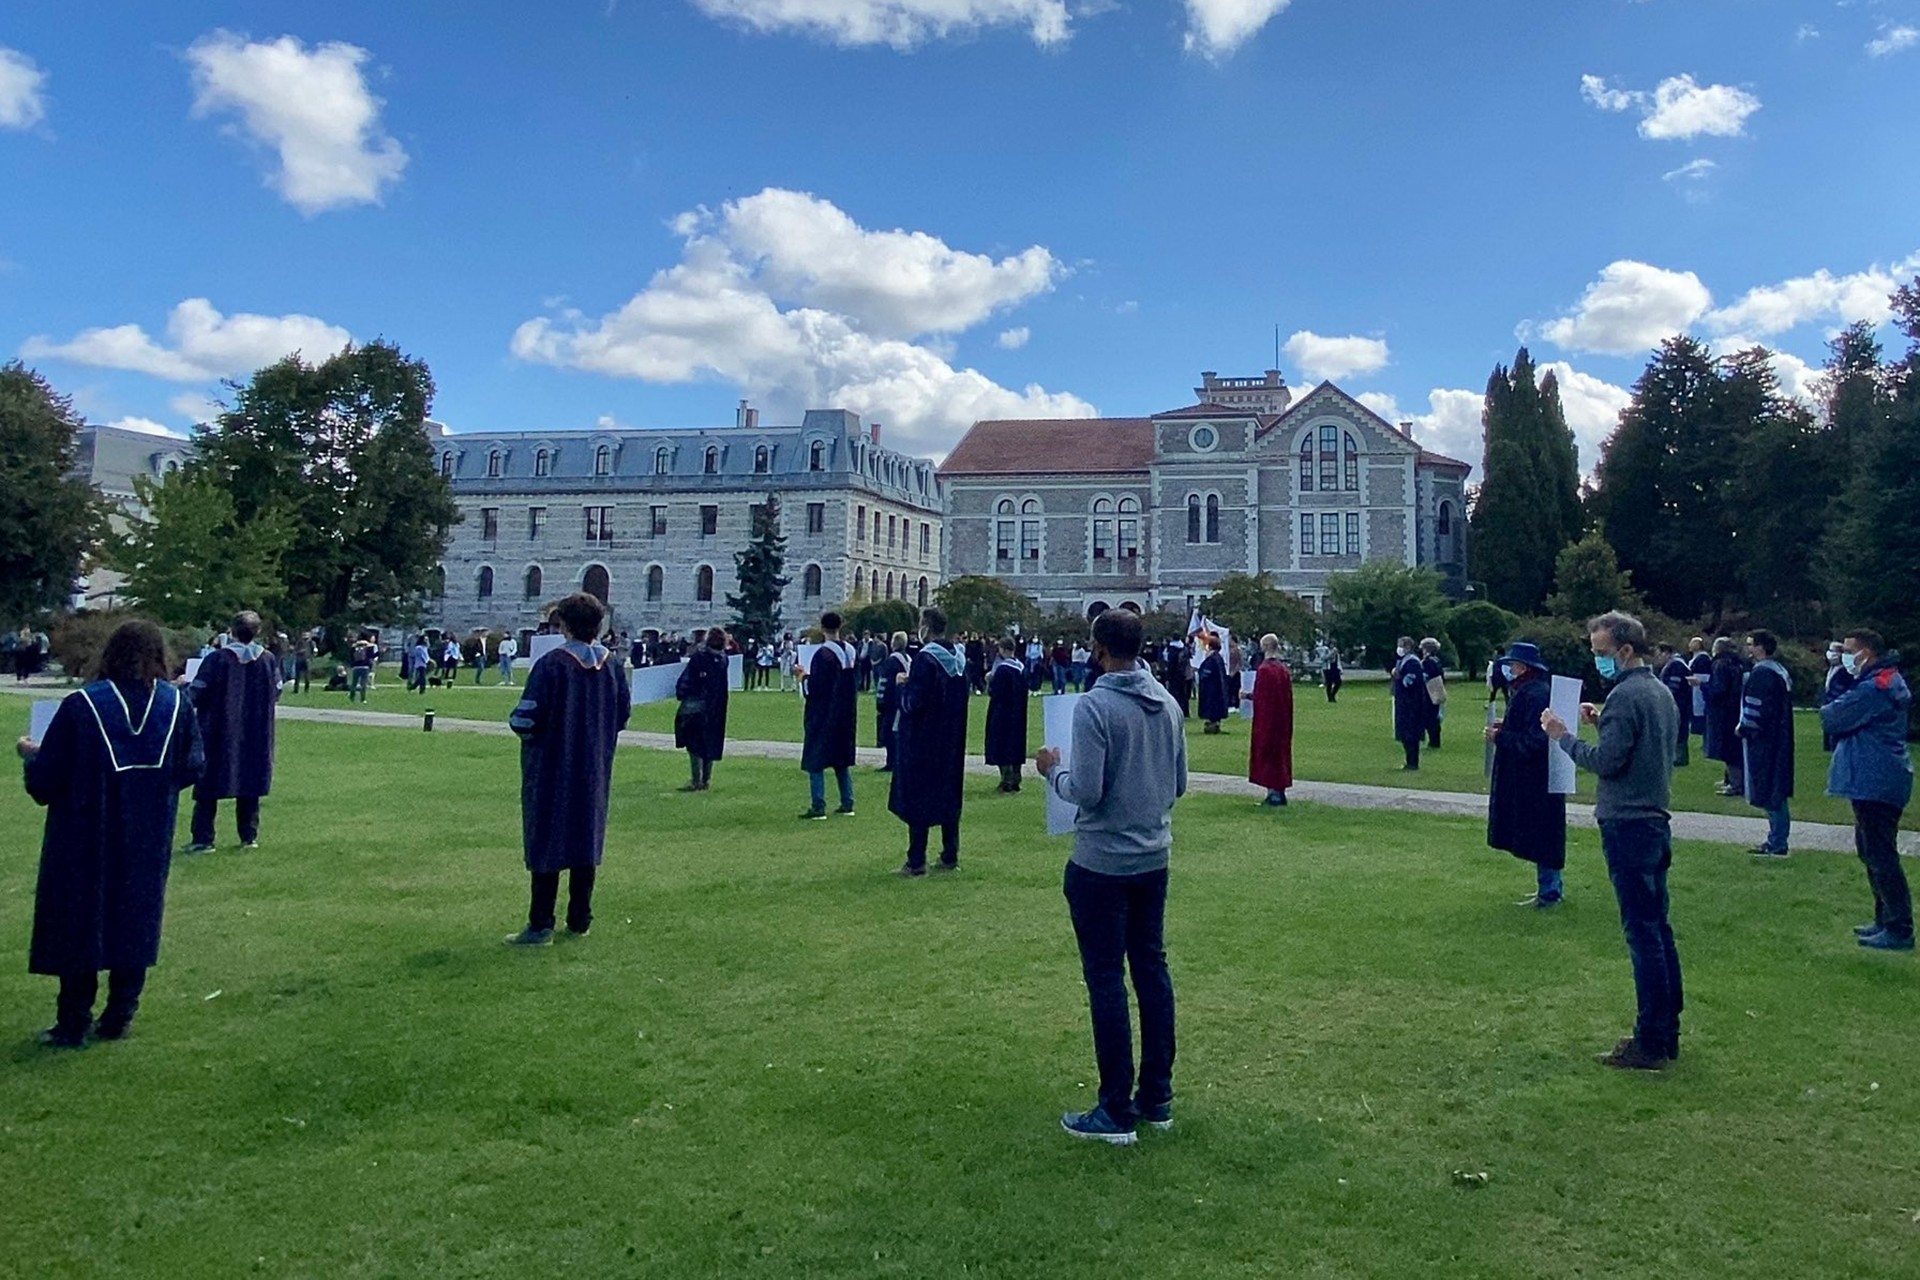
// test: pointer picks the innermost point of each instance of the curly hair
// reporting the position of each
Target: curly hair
(136, 653)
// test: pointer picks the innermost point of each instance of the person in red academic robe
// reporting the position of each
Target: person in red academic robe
(1270, 757)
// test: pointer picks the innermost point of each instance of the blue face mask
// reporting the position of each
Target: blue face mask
(1607, 665)
(1851, 661)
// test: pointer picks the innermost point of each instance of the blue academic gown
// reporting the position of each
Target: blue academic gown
(930, 745)
(1214, 700)
(1411, 705)
(1007, 714)
(234, 694)
(1723, 709)
(1523, 818)
(1766, 733)
(700, 726)
(829, 718)
(110, 773)
(886, 696)
(571, 711)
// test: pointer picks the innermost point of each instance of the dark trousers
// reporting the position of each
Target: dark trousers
(1433, 729)
(702, 768)
(1009, 777)
(1333, 691)
(1120, 924)
(546, 893)
(1412, 746)
(1682, 744)
(1876, 828)
(949, 843)
(77, 993)
(1639, 851)
(245, 808)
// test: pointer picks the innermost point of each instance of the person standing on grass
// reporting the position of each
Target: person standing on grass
(449, 661)
(362, 659)
(1700, 667)
(569, 717)
(1722, 737)
(887, 688)
(1410, 702)
(1679, 681)
(1872, 770)
(1523, 817)
(1332, 677)
(1838, 681)
(1179, 670)
(1129, 767)
(234, 695)
(509, 650)
(1436, 676)
(1766, 737)
(700, 727)
(1270, 749)
(1007, 716)
(1214, 700)
(828, 720)
(421, 664)
(110, 773)
(1634, 762)
(931, 745)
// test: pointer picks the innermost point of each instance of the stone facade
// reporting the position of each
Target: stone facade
(111, 458)
(1316, 486)
(649, 520)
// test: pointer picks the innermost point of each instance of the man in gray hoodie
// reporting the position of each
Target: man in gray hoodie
(1129, 766)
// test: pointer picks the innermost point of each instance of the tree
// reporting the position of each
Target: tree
(1252, 605)
(880, 618)
(1588, 581)
(1379, 602)
(756, 609)
(985, 605)
(190, 561)
(342, 447)
(49, 516)
(1479, 629)
(1527, 505)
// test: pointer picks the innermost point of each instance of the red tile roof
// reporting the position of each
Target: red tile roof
(1058, 446)
(1433, 459)
(1206, 409)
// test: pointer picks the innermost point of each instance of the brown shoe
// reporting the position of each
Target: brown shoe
(1631, 1055)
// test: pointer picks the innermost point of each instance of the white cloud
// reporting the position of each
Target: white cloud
(1216, 28)
(1691, 171)
(1776, 308)
(147, 426)
(1892, 40)
(1320, 357)
(1631, 307)
(1806, 32)
(900, 24)
(23, 99)
(311, 105)
(205, 344)
(196, 408)
(1678, 108)
(836, 331)
(1014, 339)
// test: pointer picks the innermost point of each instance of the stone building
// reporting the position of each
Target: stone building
(111, 459)
(1153, 511)
(649, 520)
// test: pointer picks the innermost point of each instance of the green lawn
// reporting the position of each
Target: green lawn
(1348, 742)
(773, 1059)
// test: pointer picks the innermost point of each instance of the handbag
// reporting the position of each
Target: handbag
(1437, 690)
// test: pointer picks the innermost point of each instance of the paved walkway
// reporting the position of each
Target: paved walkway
(1711, 827)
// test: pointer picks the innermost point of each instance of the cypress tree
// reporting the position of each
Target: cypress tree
(1527, 507)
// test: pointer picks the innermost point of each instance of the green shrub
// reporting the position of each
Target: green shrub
(78, 639)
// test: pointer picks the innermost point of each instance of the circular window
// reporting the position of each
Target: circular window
(1203, 438)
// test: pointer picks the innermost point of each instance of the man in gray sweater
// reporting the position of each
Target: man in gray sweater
(1129, 766)
(1639, 726)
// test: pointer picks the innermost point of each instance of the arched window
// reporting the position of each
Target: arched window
(1097, 608)
(1030, 531)
(703, 584)
(712, 463)
(596, 582)
(1003, 530)
(1306, 463)
(1102, 531)
(762, 460)
(889, 584)
(873, 585)
(542, 462)
(662, 460)
(1329, 458)
(1129, 539)
(656, 581)
(1349, 463)
(533, 582)
(1445, 521)
(922, 600)
(485, 586)
(810, 582)
(1213, 517)
(1193, 517)
(603, 460)
(446, 463)
(493, 464)
(817, 456)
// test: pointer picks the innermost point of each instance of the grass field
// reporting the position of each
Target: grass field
(1351, 741)
(773, 1059)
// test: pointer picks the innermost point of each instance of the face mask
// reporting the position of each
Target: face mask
(1399, 653)
(1607, 665)
(1509, 672)
(1851, 661)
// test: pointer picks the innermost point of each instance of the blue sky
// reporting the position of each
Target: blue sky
(932, 211)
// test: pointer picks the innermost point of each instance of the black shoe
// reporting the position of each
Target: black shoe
(947, 864)
(62, 1038)
(1098, 1126)
(814, 815)
(1762, 851)
(1864, 930)
(580, 932)
(1631, 1055)
(531, 938)
(1886, 940)
(845, 811)
(907, 871)
(1160, 1117)
(113, 1028)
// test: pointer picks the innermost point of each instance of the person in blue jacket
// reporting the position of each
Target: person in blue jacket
(1871, 768)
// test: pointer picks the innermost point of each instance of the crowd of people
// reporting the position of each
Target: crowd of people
(120, 751)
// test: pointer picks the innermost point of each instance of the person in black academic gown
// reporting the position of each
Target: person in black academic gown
(1766, 736)
(1722, 737)
(1411, 705)
(234, 694)
(1523, 817)
(571, 711)
(886, 694)
(1214, 701)
(1179, 679)
(930, 747)
(110, 773)
(828, 722)
(700, 726)
(1678, 677)
(1007, 716)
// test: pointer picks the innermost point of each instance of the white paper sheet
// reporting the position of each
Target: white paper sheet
(540, 646)
(41, 717)
(1564, 703)
(655, 684)
(803, 659)
(736, 671)
(193, 669)
(1057, 730)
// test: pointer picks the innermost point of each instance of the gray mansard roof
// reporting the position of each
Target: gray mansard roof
(111, 457)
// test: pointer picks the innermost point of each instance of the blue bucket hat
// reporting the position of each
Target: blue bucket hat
(1525, 654)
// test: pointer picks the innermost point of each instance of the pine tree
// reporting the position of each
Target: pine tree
(1560, 464)
(756, 608)
(49, 516)
(1528, 504)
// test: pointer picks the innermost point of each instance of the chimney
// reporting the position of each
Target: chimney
(740, 415)
(873, 433)
(1406, 427)
(753, 419)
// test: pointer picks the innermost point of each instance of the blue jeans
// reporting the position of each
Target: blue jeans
(1120, 924)
(1779, 825)
(1639, 852)
(506, 671)
(817, 787)
(358, 689)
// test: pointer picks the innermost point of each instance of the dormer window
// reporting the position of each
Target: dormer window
(662, 460)
(762, 460)
(493, 464)
(712, 466)
(446, 463)
(542, 463)
(603, 460)
(817, 456)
